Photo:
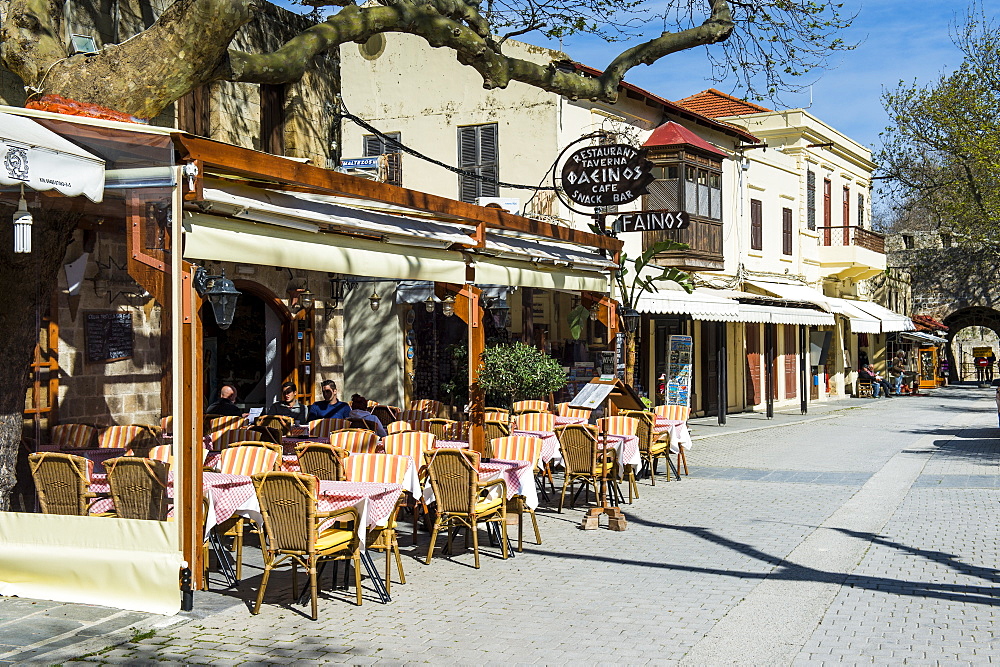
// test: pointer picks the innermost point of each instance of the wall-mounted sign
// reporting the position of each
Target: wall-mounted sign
(606, 175)
(359, 163)
(108, 336)
(649, 221)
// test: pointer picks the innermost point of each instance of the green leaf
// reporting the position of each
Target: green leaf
(576, 320)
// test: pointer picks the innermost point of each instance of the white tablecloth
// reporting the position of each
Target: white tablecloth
(680, 436)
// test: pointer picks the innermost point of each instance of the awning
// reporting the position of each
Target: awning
(544, 252)
(700, 305)
(861, 322)
(890, 321)
(497, 271)
(40, 159)
(923, 338)
(418, 291)
(752, 312)
(228, 240)
(795, 292)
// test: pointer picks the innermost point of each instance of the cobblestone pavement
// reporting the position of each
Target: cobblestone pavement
(864, 535)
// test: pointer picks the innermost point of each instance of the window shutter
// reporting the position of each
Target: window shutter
(786, 231)
(467, 147)
(272, 118)
(753, 376)
(811, 199)
(488, 145)
(790, 360)
(478, 150)
(373, 145)
(756, 225)
(827, 210)
(861, 210)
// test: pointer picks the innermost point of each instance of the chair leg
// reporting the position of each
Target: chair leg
(239, 549)
(682, 458)
(399, 560)
(434, 534)
(263, 587)
(633, 485)
(534, 521)
(475, 542)
(388, 566)
(313, 588)
(562, 496)
(666, 456)
(503, 535)
(295, 577)
(357, 576)
(520, 525)
(548, 473)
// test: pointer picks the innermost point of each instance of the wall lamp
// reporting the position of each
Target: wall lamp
(220, 293)
(448, 305)
(300, 298)
(630, 318)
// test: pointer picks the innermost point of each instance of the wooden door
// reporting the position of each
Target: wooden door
(847, 216)
(753, 363)
(791, 365)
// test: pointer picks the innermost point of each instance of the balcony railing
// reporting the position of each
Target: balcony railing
(705, 240)
(852, 236)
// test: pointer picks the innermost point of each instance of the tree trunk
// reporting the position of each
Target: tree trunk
(630, 352)
(28, 281)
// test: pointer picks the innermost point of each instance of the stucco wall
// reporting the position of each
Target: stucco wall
(373, 345)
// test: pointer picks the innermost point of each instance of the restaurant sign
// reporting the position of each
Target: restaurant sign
(650, 221)
(606, 175)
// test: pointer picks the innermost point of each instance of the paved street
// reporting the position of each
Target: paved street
(865, 534)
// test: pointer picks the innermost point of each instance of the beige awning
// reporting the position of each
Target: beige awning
(227, 240)
(496, 271)
(701, 304)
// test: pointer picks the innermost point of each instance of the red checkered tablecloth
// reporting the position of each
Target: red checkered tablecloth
(454, 444)
(564, 421)
(382, 498)
(680, 436)
(511, 471)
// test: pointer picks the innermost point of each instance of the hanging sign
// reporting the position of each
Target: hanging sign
(606, 175)
(651, 221)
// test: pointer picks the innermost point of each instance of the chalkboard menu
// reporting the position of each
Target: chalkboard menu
(108, 336)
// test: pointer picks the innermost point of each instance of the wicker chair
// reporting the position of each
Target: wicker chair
(215, 425)
(62, 482)
(535, 421)
(426, 405)
(504, 411)
(362, 424)
(386, 414)
(679, 413)
(233, 436)
(291, 526)
(493, 415)
(167, 425)
(462, 500)
(355, 440)
(584, 461)
(164, 453)
(131, 436)
(521, 407)
(322, 428)
(413, 444)
(443, 429)
(272, 428)
(245, 458)
(398, 427)
(618, 425)
(73, 436)
(521, 448)
(138, 487)
(415, 415)
(494, 429)
(322, 460)
(564, 410)
(651, 446)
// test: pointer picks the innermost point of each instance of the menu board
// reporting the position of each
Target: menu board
(108, 336)
(678, 380)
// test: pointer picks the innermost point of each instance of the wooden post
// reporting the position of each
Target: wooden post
(188, 448)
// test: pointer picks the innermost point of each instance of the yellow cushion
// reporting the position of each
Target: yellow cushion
(333, 539)
(484, 506)
(598, 469)
(658, 446)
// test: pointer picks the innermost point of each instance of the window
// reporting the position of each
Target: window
(847, 206)
(478, 148)
(756, 225)
(376, 145)
(391, 170)
(908, 241)
(827, 210)
(811, 200)
(861, 210)
(786, 231)
(272, 118)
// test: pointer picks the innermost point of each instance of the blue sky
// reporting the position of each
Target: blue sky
(899, 40)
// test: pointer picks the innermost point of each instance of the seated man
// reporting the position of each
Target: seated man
(288, 405)
(226, 405)
(359, 410)
(864, 375)
(329, 407)
(879, 382)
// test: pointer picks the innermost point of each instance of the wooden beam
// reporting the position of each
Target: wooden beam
(228, 159)
(188, 424)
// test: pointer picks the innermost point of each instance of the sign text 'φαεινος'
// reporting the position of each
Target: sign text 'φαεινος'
(606, 175)
(649, 221)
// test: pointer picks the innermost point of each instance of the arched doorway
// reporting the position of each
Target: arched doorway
(252, 353)
(960, 320)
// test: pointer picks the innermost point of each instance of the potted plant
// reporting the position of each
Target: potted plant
(514, 371)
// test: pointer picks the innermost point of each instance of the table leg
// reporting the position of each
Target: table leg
(373, 574)
(226, 561)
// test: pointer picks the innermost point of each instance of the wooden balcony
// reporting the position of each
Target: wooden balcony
(705, 238)
(851, 252)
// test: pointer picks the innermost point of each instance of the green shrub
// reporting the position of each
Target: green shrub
(516, 372)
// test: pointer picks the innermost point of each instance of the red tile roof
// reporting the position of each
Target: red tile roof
(716, 104)
(927, 323)
(672, 134)
(676, 108)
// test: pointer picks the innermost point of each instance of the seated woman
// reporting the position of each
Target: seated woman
(359, 410)
(868, 374)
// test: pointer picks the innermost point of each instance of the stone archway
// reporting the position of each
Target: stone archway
(974, 316)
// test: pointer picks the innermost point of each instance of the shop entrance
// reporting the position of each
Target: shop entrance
(248, 354)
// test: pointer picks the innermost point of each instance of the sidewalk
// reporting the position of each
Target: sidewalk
(40, 632)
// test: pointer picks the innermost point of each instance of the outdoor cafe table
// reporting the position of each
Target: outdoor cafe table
(518, 475)
(680, 436)
(98, 455)
(411, 481)
(550, 442)
(565, 421)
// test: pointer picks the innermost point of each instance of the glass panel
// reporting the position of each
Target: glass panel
(703, 199)
(690, 198)
(716, 213)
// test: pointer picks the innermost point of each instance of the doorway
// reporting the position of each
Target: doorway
(709, 368)
(248, 354)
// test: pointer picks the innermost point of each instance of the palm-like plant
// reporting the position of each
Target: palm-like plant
(631, 283)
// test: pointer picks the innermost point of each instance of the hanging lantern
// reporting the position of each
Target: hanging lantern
(448, 306)
(374, 299)
(429, 304)
(595, 311)
(22, 227)
(220, 293)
